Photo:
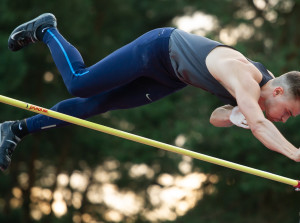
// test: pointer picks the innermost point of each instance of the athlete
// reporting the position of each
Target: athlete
(154, 65)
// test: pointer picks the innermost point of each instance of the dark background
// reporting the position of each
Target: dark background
(73, 174)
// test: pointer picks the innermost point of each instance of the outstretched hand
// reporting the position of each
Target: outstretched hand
(238, 119)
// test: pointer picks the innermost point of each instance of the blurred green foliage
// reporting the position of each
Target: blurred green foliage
(99, 27)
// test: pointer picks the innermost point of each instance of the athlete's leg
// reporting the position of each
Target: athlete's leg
(139, 92)
(121, 67)
(148, 55)
(117, 69)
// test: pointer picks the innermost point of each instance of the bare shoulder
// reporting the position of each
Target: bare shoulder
(221, 52)
(225, 62)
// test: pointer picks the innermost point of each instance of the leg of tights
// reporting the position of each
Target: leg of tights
(126, 64)
(139, 92)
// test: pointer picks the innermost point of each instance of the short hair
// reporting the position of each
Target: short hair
(290, 80)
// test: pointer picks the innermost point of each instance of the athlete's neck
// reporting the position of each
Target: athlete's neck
(265, 92)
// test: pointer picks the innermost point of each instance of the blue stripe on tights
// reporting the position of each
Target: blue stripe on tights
(65, 54)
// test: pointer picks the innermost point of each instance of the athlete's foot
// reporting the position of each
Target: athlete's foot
(8, 143)
(26, 33)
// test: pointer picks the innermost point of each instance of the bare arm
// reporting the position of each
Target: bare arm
(241, 80)
(220, 116)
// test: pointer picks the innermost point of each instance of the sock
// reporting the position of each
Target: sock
(41, 31)
(19, 128)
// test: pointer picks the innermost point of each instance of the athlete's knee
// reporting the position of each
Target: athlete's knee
(77, 91)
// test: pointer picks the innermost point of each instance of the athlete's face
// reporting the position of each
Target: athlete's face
(280, 106)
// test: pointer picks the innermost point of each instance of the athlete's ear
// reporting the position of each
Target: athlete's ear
(278, 91)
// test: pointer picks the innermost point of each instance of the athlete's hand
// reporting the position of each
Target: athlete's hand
(238, 119)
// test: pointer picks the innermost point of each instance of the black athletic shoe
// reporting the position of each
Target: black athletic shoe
(25, 34)
(8, 143)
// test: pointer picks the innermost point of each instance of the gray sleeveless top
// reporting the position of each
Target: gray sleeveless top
(188, 53)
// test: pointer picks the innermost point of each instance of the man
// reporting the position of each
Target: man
(154, 65)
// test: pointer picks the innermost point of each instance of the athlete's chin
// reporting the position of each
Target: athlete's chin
(273, 119)
(270, 118)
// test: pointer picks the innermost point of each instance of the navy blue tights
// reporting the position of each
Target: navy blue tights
(137, 74)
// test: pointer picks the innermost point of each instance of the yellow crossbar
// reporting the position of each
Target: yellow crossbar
(150, 142)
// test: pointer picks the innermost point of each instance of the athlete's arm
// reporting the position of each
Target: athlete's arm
(241, 79)
(220, 116)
